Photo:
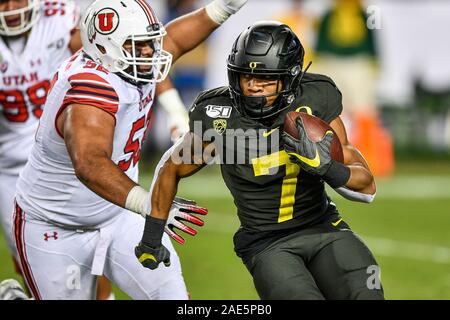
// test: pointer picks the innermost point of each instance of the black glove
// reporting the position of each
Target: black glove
(150, 251)
(151, 257)
(313, 157)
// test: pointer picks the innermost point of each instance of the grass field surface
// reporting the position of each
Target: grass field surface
(406, 227)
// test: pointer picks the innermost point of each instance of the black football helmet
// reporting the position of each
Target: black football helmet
(266, 48)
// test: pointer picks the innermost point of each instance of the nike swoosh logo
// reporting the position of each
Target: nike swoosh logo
(310, 162)
(336, 223)
(147, 256)
(268, 133)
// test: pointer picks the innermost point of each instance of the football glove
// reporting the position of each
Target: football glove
(183, 209)
(151, 257)
(313, 157)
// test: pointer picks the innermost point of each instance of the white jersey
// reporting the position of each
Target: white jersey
(25, 79)
(47, 187)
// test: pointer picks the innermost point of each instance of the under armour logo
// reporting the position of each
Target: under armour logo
(48, 236)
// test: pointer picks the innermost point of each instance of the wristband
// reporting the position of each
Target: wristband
(337, 175)
(216, 12)
(153, 231)
(138, 200)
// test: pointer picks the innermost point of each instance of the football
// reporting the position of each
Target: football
(315, 129)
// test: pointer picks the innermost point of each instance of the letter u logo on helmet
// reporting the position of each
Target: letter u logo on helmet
(106, 21)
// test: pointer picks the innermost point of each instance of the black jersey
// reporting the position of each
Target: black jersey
(271, 193)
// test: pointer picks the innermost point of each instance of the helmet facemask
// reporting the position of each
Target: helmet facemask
(131, 63)
(29, 15)
(266, 48)
(255, 107)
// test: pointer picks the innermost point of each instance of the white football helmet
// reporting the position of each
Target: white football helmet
(29, 15)
(108, 24)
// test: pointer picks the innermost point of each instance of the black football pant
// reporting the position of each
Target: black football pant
(333, 265)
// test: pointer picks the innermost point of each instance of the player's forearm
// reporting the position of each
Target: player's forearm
(169, 170)
(361, 180)
(188, 31)
(164, 191)
(170, 101)
(102, 176)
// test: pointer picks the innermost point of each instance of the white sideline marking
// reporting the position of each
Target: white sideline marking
(402, 249)
(404, 187)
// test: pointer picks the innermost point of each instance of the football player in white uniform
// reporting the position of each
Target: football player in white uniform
(35, 38)
(72, 214)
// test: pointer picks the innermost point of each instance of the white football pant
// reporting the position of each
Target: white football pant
(62, 264)
(7, 191)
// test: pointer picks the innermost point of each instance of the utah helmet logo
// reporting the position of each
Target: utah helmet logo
(106, 21)
(220, 125)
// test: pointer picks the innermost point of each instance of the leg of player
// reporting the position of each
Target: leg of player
(56, 262)
(344, 268)
(280, 275)
(124, 270)
(7, 190)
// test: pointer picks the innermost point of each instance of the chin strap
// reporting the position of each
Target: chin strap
(303, 74)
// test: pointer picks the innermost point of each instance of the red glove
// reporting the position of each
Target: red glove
(183, 209)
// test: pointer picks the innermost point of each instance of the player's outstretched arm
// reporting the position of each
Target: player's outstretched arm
(361, 183)
(188, 31)
(150, 251)
(173, 166)
(177, 116)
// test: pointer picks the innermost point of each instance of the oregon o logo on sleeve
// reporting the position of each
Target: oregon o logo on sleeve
(106, 21)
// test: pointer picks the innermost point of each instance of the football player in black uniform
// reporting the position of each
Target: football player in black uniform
(292, 238)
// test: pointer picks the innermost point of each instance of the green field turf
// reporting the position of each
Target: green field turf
(407, 228)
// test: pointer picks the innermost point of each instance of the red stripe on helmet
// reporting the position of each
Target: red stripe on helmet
(148, 11)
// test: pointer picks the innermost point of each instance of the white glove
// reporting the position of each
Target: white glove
(220, 10)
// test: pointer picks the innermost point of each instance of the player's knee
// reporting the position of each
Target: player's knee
(288, 290)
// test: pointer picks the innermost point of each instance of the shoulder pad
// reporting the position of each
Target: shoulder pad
(213, 93)
(315, 77)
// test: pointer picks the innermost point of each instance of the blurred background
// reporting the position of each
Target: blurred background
(390, 59)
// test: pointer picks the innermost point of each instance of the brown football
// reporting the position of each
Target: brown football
(315, 129)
